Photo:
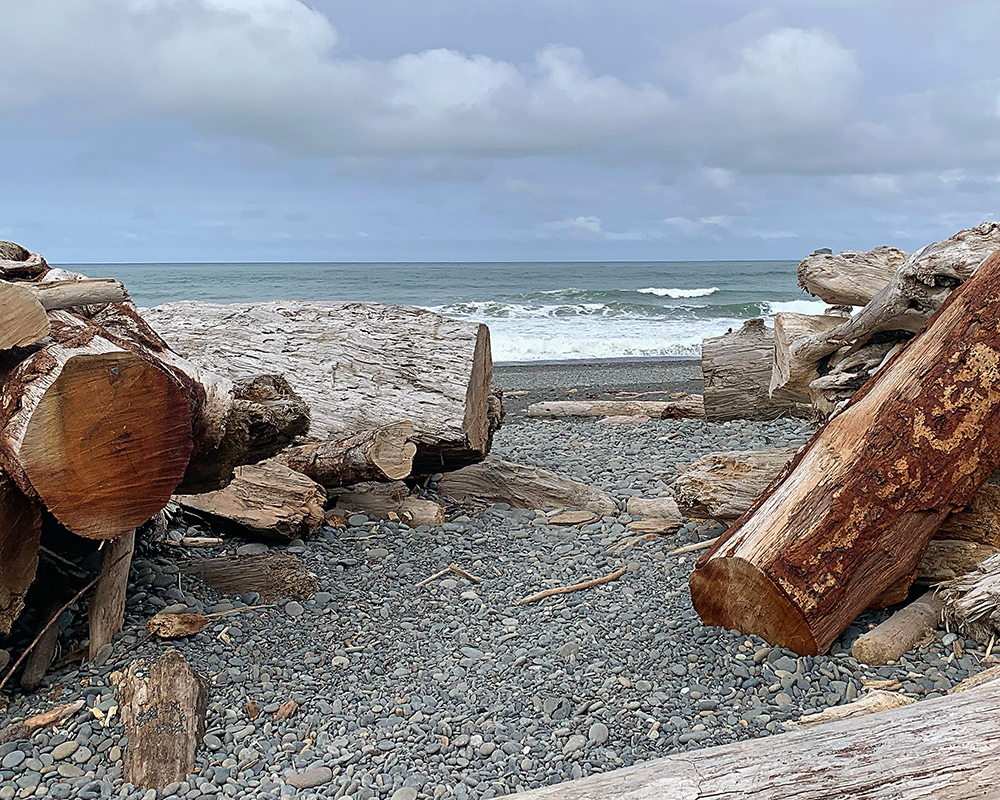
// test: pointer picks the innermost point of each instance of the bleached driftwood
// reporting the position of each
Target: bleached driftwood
(903, 630)
(871, 703)
(662, 507)
(947, 559)
(972, 602)
(851, 278)
(690, 407)
(791, 374)
(883, 756)
(357, 365)
(389, 501)
(737, 373)
(499, 481)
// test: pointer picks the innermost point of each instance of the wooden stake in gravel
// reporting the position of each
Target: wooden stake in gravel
(574, 588)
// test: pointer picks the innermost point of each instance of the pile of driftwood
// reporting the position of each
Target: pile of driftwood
(893, 489)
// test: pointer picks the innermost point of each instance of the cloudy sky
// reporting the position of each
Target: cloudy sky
(280, 130)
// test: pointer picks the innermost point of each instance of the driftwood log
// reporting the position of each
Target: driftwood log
(266, 499)
(972, 602)
(737, 372)
(107, 604)
(861, 501)
(499, 481)
(851, 278)
(692, 407)
(163, 708)
(882, 756)
(20, 534)
(871, 703)
(389, 501)
(272, 576)
(383, 454)
(903, 630)
(357, 365)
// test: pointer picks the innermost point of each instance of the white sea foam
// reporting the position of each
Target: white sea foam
(677, 294)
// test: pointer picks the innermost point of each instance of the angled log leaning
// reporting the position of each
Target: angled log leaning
(163, 707)
(20, 534)
(850, 278)
(690, 407)
(383, 454)
(267, 499)
(860, 502)
(883, 756)
(98, 434)
(357, 365)
(737, 373)
(107, 604)
(499, 481)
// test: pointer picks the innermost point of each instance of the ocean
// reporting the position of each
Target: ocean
(537, 312)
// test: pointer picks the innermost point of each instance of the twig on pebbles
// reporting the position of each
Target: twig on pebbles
(574, 588)
(690, 548)
(453, 568)
(218, 614)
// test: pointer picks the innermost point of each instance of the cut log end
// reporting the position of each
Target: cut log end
(107, 443)
(751, 603)
(391, 453)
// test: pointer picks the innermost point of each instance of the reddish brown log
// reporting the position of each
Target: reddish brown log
(20, 533)
(857, 507)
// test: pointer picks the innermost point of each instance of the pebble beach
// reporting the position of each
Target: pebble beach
(451, 688)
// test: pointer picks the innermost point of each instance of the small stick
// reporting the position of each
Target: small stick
(989, 647)
(690, 548)
(360, 538)
(459, 571)
(435, 576)
(574, 588)
(197, 541)
(26, 727)
(218, 614)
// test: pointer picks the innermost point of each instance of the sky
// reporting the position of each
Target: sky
(494, 130)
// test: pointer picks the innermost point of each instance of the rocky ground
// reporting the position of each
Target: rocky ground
(451, 689)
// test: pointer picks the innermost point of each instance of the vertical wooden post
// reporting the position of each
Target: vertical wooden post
(107, 606)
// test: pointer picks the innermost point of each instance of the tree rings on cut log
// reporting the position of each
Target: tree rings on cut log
(106, 443)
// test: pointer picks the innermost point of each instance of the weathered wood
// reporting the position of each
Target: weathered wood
(972, 602)
(272, 576)
(98, 434)
(44, 652)
(267, 499)
(383, 454)
(17, 263)
(499, 481)
(690, 407)
(792, 372)
(25, 728)
(56, 294)
(163, 708)
(107, 604)
(871, 703)
(23, 320)
(987, 675)
(357, 365)
(737, 374)
(947, 559)
(851, 278)
(863, 498)
(652, 507)
(883, 756)
(723, 486)
(389, 501)
(979, 521)
(902, 631)
(20, 535)
(175, 626)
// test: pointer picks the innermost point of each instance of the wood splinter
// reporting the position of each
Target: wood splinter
(50, 719)
(453, 568)
(574, 588)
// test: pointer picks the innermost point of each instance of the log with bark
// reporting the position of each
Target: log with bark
(882, 756)
(859, 504)
(737, 374)
(389, 501)
(499, 481)
(690, 407)
(357, 365)
(383, 454)
(266, 499)
(851, 278)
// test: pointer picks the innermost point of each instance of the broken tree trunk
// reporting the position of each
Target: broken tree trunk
(690, 407)
(860, 502)
(20, 535)
(791, 373)
(737, 372)
(498, 481)
(98, 434)
(389, 501)
(902, 631)
(357, 365)
(851, 278)
(972, 601)
(163, 708)
(107, 604)
(384, 454)
(267, 499)
(882, 756)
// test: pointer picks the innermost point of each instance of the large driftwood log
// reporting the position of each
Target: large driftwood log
(862, 499)
(163, 708)
(498, 481)
(914, 292)
(737, 373)
(882, 756)
(389, 501)
(384, 454)
(20, 534)
(357, 365)
(99, 434)
(267, 499)
(851, 278)
(902, 631)
(692, 406)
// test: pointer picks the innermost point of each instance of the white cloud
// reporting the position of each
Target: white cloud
(576, 227)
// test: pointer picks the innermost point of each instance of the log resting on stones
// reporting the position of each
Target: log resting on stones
(859, 504)
(389, 501)
(690, 407)
(357, 365)
(851, 278)
(96, 433)
(383, 454)
(499, 481)
(737, 373)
